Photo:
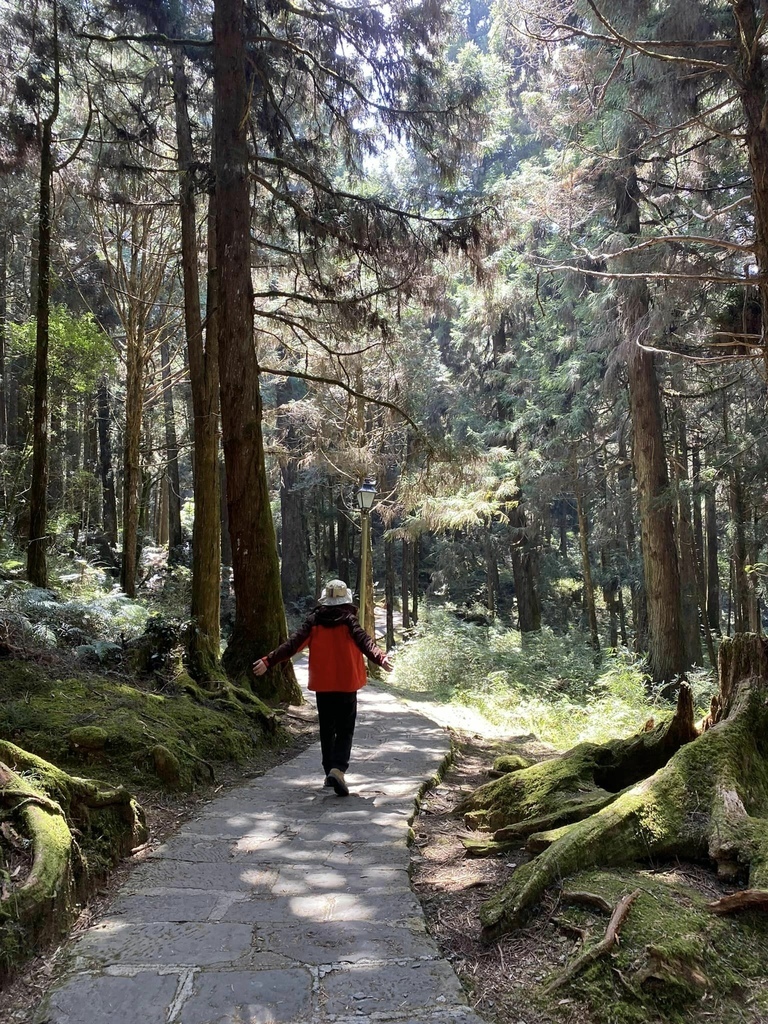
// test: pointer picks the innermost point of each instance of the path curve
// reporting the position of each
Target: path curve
(281, 902)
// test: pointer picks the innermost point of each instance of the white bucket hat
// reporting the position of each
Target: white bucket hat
(336, 592)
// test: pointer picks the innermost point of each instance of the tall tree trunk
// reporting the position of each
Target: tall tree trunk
(628, 533)
(525, 571)
(259, 616)
(589, 588)
(175, 536)
(3, 340)
(389, 590)
(666, 651)
(342, 537)
(109, 501)
(753, 94)
(134, 404)
(415, 565)
(405, 583)
(713, 568)
(294, 577)
(203, 356)
(691, 592)
(37, 568)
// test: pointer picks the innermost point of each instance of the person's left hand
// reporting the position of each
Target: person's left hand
(259, 667)
(387, 665)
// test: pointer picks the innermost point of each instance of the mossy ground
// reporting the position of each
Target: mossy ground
(41, 705)
(676, 963)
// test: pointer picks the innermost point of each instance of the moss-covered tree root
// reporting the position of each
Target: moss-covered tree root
(50, 807)
(574, 786)
(709, 802)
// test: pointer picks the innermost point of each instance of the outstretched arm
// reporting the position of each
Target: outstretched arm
(295, 642)
(368, 647)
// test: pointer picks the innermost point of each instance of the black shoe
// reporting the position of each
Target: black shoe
(336, 779)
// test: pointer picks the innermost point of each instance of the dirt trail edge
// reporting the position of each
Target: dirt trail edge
(281, 902)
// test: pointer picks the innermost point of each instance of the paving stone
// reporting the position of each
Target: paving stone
(328, 907)
(166, 905)
(116, 941)
(390, 987)
(248, 997)
(180, 874)
(342, 941)
(88, 998)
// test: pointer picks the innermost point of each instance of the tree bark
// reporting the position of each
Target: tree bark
(37, 568)
(294, 578)
(389, 590)
(525, 571)
(109, 501)
(259, 617)
(203, 648)
(753, 94)
(589, 588)
(405, 581)
(666, 649)
(175, 536)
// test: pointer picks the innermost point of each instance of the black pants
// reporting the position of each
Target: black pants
(337, 713)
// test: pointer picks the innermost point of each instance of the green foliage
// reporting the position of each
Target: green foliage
(546, 684)
(79, 354)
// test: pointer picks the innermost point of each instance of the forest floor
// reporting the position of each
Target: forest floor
(504, 978)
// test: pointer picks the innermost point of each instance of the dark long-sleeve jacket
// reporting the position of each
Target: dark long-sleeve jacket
(337, 643)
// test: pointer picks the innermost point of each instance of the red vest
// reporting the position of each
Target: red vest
(335, 660)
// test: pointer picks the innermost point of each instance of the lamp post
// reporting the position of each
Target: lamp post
(365, 497)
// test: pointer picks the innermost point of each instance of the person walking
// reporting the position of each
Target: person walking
(337, 643)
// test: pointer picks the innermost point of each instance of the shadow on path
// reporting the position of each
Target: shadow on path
(281, 902)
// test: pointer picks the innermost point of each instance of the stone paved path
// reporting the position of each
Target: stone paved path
(281, 902)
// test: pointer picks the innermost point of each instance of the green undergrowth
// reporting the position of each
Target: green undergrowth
(546, 684)
(106, 728)
(675, 963)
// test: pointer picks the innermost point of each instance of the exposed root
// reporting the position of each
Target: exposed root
(578, 784)
(49, 806)
(586, 899)
(747, 899)
(605, 945)
(708, 801)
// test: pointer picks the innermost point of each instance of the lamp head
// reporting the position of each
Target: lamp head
(365, 495)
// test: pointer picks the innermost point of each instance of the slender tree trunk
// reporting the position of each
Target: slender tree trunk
(109, 501)
(405, 582)
(666, 652)
(3, 344)
(610, 596)
(389, 588)
(294, 578)
(589, 588)
(691, 592)
(175, 537)
(134, 404)
(162, 524)
(753, 94)
(713, 568)
(342, 536)
(203, 358)
(37, 568)
(260, 617)
(415, 560)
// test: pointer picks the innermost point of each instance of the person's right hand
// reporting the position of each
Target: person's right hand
(259, 667)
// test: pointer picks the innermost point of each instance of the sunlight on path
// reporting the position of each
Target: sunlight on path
(281, 902)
